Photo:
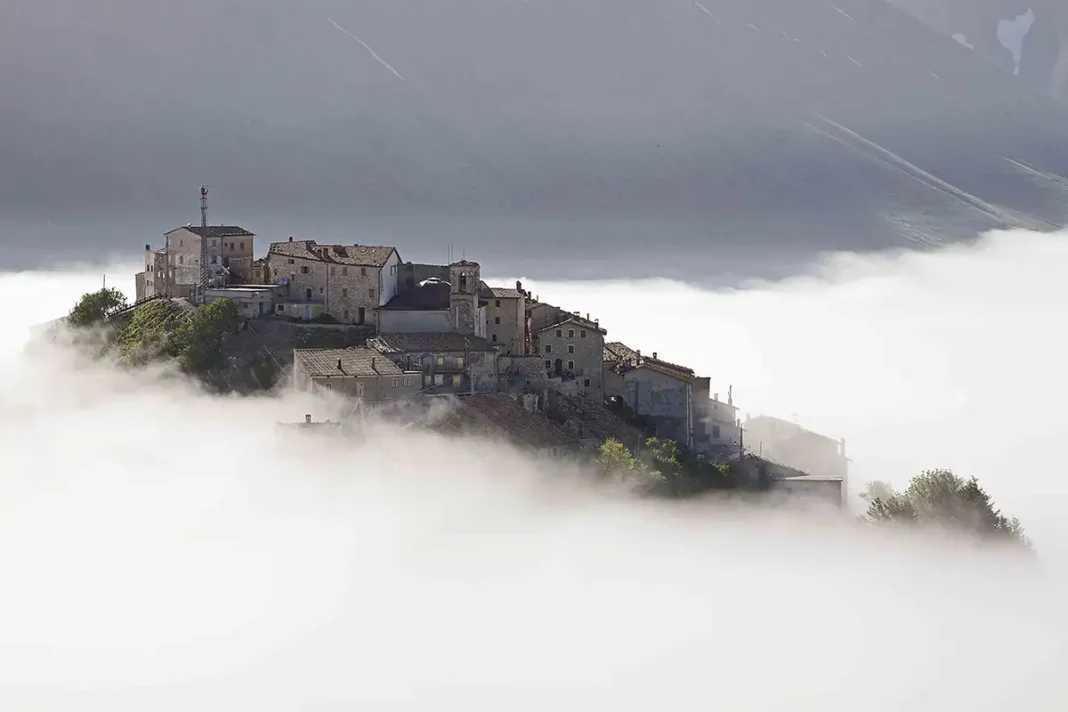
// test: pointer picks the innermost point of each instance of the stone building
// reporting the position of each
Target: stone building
(795, 446)
(572, 350)
(348, 282)
(357, 373)
(226, 245)
(506, 321)
(423, 308)
(467, 310)
(449, 362)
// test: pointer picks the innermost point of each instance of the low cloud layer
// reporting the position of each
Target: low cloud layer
(166, 550)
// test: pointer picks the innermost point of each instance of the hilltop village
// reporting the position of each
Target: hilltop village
(543, 377)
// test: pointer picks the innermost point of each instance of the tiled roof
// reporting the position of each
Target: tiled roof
(217, 231)
(618, 351)
(444, 342)
(319, 363)
(574, 319)
(669, 369)
(504, 293)
(497, 415)
(422, 297)
(358, 255)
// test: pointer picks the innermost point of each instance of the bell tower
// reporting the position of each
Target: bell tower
(465, 277)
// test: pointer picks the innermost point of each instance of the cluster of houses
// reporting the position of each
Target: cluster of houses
(541, 376)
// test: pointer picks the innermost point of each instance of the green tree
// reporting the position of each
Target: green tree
(941, 498)
(196, 340)
(94, 307)
(616, 462)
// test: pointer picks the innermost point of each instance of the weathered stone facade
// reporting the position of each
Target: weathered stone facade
(506, 325)
(350, 281)
(354, 373)
(574, 348)
(465, 280)
(449, 362)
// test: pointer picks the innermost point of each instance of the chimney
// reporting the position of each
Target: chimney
(374, 364)
(654, 355)
(715, 397)
(148, 248)
(519, 286)
(307, 418)
(339, 365)
(291, 238)
(639, 353)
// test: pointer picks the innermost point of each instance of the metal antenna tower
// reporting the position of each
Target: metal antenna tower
(203, 242)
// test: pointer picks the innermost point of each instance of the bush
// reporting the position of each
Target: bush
(94, 307)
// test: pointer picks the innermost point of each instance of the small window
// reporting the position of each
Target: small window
(328, 386)
(548, 365)
(363, 271)
(457, 381)
(582, 333)
(290, 261)
(548, 348)
(333, 269)
(279, 308)
(181, 243)
(570, 365)
(346, 315)
(494, 338)
(304, 269)
(715, 432)
(459, 362)
(438, 379)
(586, 383)
(496, 320)
(320, 290)
(371, 293)
(242, 245)
(181, 259)
(215, 259)
(441, 360)
(344, 291)
(570, 333)
(344, 271)
(396, 382)
(407, 382)
(571, 348)
(497, 303)
(559, 332)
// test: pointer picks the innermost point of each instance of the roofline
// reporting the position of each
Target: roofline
(576, 320)
(186, 227)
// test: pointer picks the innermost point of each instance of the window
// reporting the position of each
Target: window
(320, 290)
(396, 382)
(181, 259)
(344, 291)
(242, 245)
(548, 348)
(715, 432)
(459, 362)
(570, 333)
(548, 364)
(290, 261)
(407, 382)
(359, 389)
(371, 293)
(571, 348)
(497, 303)
(346, 315)
(496, 320)
(328, 386)
(438, 379)
(344, 271)
(457, 381)
(582, 334)
(559, 332)
(363, 271)
(570, 365)
(494, 338)
(463, 282)
(279, 308)
(586, 383)
(181, 243)
(304, 269)
(333, 269)
(441, 360)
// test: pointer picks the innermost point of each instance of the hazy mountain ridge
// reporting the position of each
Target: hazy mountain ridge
(517, 126)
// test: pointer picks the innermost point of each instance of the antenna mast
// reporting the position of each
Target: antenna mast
(203, 241)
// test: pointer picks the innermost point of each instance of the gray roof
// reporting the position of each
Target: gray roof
(504, 293)
(440, 342)
(216, 231)
(358, 255)
(320, 363)
(428, 296)
(574, 319)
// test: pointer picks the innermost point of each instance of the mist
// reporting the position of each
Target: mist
(165, 549)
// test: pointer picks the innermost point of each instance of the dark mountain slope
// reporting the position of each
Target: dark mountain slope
(711, 130)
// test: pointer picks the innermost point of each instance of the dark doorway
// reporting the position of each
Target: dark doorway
(558, 367)
(307, 294)
(360, 315)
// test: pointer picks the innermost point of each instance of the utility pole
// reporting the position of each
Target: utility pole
(203, 242)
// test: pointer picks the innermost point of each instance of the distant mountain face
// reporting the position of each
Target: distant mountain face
(549, 137)
(1027, 37)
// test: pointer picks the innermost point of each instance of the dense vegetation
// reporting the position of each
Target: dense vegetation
(158, 330)
(666, 469)
(942, 499)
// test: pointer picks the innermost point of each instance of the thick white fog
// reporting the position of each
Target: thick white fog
(165, 550)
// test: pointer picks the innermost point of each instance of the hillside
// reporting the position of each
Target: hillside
(732, 132)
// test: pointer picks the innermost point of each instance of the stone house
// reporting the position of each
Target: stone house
(795, 446)
(348, 282)
(356, 373)
(252, 300)
(154, 281)
(572, 351)
(662, 393)
(506, 320)
(229, 254)
(448, 361)
(436, 305)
